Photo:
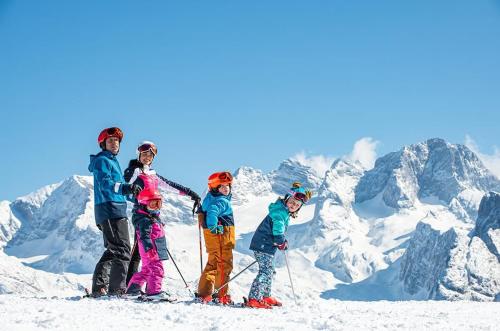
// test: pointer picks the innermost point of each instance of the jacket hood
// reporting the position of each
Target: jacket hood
(93, 159)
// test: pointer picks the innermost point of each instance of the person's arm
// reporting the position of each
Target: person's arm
(212, 214)
(279, 221)
(180, 189)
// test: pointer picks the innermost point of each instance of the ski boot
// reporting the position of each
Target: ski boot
(271, 301)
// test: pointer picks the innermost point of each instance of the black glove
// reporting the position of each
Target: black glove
(131, 189)
(196, 205)
(194, 196)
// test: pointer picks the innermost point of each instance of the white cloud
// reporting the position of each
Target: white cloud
(318, 163)
(491, 161)
(364, 151)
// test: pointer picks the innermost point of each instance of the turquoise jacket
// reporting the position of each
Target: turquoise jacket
(217, 209)
(272, 229)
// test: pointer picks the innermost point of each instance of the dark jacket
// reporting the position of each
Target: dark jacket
(272, 229)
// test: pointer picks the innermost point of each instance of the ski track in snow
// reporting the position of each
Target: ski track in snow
(24, 313)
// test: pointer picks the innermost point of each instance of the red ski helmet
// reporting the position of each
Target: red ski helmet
(220, 178)
(109, 132)
(151, 199)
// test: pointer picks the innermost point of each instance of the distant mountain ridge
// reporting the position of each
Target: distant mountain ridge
(406, 228)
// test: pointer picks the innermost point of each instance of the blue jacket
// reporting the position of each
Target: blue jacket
(217, 209)
(271, 230)
(108, 181)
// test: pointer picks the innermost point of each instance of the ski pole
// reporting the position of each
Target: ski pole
(232, 278)
(196, 206)
(290, 276)
(180, 273)
(201, 250)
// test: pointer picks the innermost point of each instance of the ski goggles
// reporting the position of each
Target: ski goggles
(114, 131)
(299, 196)
(148, 147)
(225, 177)
(154, 204)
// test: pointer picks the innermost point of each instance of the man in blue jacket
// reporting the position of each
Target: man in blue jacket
(111, 215)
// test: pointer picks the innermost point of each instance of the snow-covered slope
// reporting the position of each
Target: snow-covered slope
(19, 313)
(19, 279)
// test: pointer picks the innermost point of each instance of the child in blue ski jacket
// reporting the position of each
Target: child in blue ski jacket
(270, 236)
(216, 218)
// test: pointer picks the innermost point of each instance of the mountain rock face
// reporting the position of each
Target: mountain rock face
(290, 171)
(431, 170)
(9, 224)
(455, 265)
(249, 183)
(58, 223)
(488, 223)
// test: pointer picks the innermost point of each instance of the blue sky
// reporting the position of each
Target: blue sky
(219, 84)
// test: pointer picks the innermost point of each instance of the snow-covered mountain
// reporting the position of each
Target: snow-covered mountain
(248, 184)
(402, 230)
(433, 171)
(9, 224)
(294, 170)
(57, 222)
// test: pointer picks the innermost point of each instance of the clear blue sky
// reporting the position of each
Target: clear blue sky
(219, 84)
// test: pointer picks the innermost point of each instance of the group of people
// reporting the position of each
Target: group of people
(118, 273)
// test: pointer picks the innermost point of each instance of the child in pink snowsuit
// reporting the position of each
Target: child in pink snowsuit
(151, 240)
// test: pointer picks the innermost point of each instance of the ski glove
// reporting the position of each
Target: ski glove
(131, 189)
(217, 229)
(194, 196)
(283, 246)
(196, 205)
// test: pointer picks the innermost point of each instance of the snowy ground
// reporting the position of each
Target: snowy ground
(22, 313)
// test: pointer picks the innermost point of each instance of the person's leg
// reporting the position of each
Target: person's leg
(139, 278)
(155, 277)
(227, 262)
(208, 276)
(260, 281)
(228, 243)
(119, 246)
(135, 260)
(156, 272)
(267, 283)
(100, 278)
(256, 288)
